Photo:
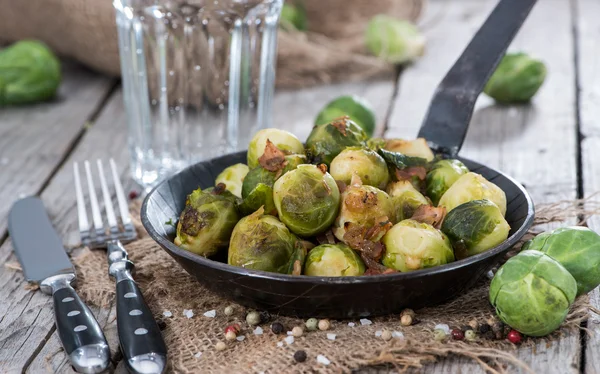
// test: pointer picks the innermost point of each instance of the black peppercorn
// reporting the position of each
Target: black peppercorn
(489, 335)
(277, 328)
(264, 317)
(300, 356)
(484, 328)
(161, 324)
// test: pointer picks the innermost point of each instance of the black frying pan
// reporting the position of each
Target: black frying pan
(445, 127)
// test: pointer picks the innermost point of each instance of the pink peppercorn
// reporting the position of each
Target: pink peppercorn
(514, 337)
(457, 334)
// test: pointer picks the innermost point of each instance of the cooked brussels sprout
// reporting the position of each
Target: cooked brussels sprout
(261, 242)
(260, 196)
(411, 245)
(363, 209)
(333, 260)
(475, 227)
(233, 177)
(517, 78)
(255, 177)
(577, 249)
(441, 176)
(284, 140)
(394, 40)
(307, 199)
(406, 199)
(472, 186)
(415, 148)
(532, 293)
(357, 108)
(207, 221)
(367, 164)
(327, 140)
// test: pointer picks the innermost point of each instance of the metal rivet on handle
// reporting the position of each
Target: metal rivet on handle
(80, 328)
(135, 312)
(129, 295)
(67, 299)
(140, 331)
(73, 313)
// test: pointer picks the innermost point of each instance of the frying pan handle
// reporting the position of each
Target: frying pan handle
(447, 120)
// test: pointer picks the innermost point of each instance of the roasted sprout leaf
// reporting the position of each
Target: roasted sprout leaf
(401, 161)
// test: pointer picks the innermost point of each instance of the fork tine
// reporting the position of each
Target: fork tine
(125, 219)
(96, 217)
(84, 225)
(108, 205)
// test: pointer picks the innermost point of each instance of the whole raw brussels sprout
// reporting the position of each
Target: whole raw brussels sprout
(415, 148)
(293, 16)
(207, 221)
(327, 140)
(442, 176)
(406, 199)
(357, 108)
(577, 249)
(284, 140)
(261, 242)
(333, 260)
(307, 199)
(532, 293)
(411, 245)
(363, 209)
(233, 177)
(517, 78)
(475, 227)
(394, 40)
(366, 164)
(472, 186)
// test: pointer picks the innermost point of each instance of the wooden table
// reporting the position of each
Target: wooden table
(551, 146)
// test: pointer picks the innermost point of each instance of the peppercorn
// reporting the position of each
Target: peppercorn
(312, 324)
(161, 324)
(265, 317)
(277, 328)
(407, 312)
(230, 335)
(406, 320)
(297, 331)
(470, 335)
(236, 328)
(300, 356)
(498, 327)
(229, 310)
(386, 335)
(253, 318)
(474, 324)
(133, 194)
(514, 337)
(489, 335)
(439, 335)
(220, 346)
(484, 328)
(457, 334)
(324, 324)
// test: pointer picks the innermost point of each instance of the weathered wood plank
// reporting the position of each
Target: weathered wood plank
(535, 143)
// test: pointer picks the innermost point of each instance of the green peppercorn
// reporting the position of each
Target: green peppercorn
(470, 335)
(439, 335)
(312, 324)
(253, 318)
(229, 310)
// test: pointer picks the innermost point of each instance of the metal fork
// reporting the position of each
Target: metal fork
(141, 341)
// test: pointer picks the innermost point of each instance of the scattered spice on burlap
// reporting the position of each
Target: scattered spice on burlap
(169, 290)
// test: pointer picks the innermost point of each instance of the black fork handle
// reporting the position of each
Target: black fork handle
(447, 120)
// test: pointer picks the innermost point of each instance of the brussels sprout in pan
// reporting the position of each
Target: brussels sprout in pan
(285, 141)
(233, 177)
(207, 221)
(411, 245)
(327, 140)
(577, 249)
(358, 109)
(442, 176)
(365, 163)
(406, 199)
(333, 260)
(517, 78)
(414, 148)
(307, 199)
(472, 186)
(261, 242)
(475, 227)
(532, 293)
(260, 196)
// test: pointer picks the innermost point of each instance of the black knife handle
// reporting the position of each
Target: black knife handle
(79, 332)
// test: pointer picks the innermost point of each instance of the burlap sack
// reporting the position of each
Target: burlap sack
(331, 51)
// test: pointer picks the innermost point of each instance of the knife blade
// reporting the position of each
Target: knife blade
(44, 261)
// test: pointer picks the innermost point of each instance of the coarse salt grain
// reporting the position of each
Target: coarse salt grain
(197, 355)
(397, 334)
(289, 339)
(241, 338)
(323, 360)
(351, 324)
(378, 333)
(258, 331)
(365, 322)
(443, 327)
(210, 314)
(289, 333)
(331, 336)
(188, 313)
(280, 344)
(167, 314)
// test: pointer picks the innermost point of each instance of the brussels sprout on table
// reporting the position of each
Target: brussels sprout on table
(532, 293)
(414, 148)
(365, 163)
(475, 227)
(293, 16)
(472, 186)
(411, 245)
(442, 176)
(577, 249)
(261, 242)
(285, 141)
(333, 260)
(207, 221)
(307, 199)
(406, 199)
(358, 109)
(517, 78)
(327, 140)
(394, 40)
(233, 177)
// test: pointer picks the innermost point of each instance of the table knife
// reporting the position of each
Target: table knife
(45, 262)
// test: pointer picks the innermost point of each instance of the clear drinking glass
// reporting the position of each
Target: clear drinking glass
(198, 78)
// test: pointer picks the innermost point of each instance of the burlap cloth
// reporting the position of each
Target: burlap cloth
(332, 50)
(167, 287)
